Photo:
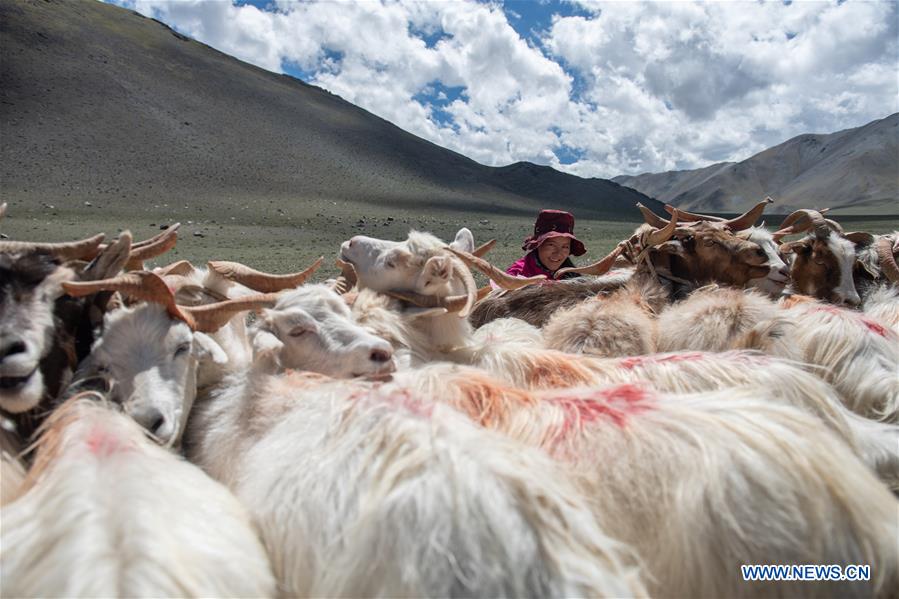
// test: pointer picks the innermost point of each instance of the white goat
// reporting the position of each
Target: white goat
(151, 351)
(110, 514)
(315, 331)
(688, 479)
(882, 304)
(530, 367)
(716, 318)
(360, 491)
(858, 355)
(421, 265)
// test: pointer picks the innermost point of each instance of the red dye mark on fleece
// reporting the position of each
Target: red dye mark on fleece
(637, 361)
(874, 327)
(616, 403)
(403, 398)
(103, 443)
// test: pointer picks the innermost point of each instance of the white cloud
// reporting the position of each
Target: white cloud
(629, 87)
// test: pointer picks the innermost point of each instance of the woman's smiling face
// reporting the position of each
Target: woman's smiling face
(554, 251)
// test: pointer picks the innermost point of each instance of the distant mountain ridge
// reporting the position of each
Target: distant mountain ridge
(98, 103)
(855, 171)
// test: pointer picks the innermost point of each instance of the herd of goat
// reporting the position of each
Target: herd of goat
(706, 396)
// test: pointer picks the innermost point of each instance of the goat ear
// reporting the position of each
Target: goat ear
(266, 352)
(439, 267)
(464, 241)
(208, 349)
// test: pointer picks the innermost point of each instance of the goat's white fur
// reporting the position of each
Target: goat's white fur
(114, 515)
(361, 491)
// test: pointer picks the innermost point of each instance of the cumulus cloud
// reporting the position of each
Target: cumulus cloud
(596, 89)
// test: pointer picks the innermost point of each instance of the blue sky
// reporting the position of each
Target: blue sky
(596, 89)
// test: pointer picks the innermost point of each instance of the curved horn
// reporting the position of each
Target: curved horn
(452, 303)
(597, 268)
(834, 225)
(887, 260)
(813, 219)
(212, 317)
(664, 234)
(153, 247)
(501, 278)
(85, 249)
(748, 218)
(471, 288)
(689, 217)
(110, 261)
(651, 217)
(139, 284)
(484, 248)
(181, 267)
(347, 278)
(165, 234)
(260, 281)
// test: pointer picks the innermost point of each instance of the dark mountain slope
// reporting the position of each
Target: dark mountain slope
(100, 104)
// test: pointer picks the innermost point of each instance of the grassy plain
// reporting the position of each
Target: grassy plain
(287, 238)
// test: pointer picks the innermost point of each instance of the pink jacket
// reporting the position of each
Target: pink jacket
(529, 266)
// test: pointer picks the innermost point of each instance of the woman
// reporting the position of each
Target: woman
(549, 247)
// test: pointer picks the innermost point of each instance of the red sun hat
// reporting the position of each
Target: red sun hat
(554, 223)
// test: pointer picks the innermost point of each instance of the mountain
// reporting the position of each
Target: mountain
(855, 171)
(98, 103)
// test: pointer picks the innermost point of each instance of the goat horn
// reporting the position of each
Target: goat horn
(260, 281)
(501, 278)
(181, 267)
(689, 217)
(347, 273)
(812, 218)
(156, 238)
(452, 303)
(138, 284)
(85, 249)
(887, 260)
(110, 261)
(664, 234)
(859, 237)
(834, 225)
(597, 268)
(748, 218)
(484, 248)
(155, 246)
(651, 217)
(471, 288)
(211, 317)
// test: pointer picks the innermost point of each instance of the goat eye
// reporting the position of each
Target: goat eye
(389, 264)
(182, 349)
(709, 243)
(298, 331)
